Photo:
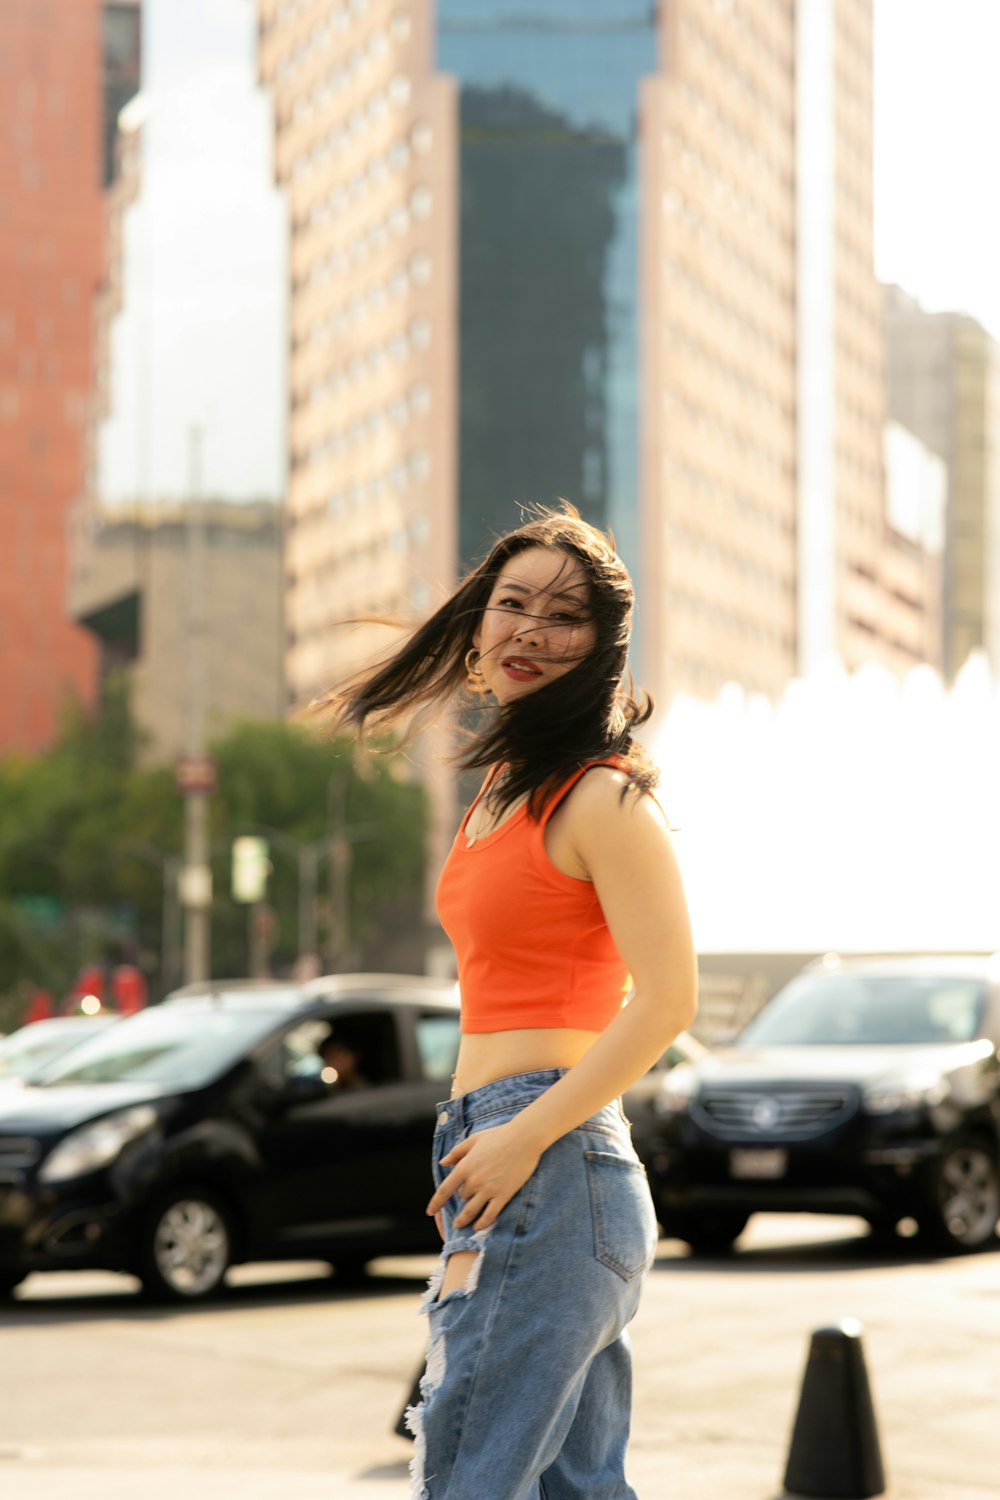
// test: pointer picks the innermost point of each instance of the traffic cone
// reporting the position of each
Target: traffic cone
(834, 1451)
(413, 1399)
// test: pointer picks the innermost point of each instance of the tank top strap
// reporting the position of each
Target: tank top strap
(490, 777)
(556, 800)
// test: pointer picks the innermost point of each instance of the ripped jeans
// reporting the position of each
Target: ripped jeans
(527, 1390)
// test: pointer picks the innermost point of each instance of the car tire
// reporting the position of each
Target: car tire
(185, 1245)
(710, 1231)
(961, 1207)
(351, 1270)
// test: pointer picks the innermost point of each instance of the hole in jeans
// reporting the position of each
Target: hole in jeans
(456, 1275)
(460, 1272)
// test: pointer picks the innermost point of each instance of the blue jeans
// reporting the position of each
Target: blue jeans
(527, 1391)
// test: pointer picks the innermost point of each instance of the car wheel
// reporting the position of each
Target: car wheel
(708, 1232)
(186, 1246)
(350, 1270)
(963, 1200)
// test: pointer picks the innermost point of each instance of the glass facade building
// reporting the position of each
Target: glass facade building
(548, 362)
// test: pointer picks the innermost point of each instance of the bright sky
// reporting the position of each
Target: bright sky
(201, 337)
(937, 126)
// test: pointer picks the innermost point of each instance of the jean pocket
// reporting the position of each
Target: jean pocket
(622, 1212)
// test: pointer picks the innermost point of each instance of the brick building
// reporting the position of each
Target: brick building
(50, 263)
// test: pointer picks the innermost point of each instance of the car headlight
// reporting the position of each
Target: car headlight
(94, 1146)
(676, 1091)
(896, 1095)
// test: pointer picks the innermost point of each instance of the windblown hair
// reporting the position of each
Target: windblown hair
(541, 737)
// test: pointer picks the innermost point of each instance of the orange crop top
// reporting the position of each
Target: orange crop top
(532, 944)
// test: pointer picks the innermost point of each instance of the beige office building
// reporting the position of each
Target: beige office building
(768, 546)
(719, 364)
(131, 586)
(944, 387)
(365, 147)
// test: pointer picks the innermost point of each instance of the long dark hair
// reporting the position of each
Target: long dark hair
(541, 737)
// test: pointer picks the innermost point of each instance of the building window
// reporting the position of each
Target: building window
(420, 202)
(420, 399)
(399, 91)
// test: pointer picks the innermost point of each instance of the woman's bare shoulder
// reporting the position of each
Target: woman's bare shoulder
(606, 793)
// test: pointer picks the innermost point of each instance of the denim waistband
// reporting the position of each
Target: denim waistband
(491, 1098)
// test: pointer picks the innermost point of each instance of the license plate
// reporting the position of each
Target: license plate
(759, 1163)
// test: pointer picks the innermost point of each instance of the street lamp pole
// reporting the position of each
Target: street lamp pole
(342, 838)
(196, 876)
(308, 878)
(307, 861)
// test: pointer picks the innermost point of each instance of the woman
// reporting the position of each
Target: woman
(561, 889)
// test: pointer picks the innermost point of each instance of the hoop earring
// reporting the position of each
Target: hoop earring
(472, 662)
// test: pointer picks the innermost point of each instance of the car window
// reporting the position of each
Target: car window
(294, 1054)
(953, 1011)
(437, 1043)
(28, 1051)
(869, 1010)
(365, 1051)
(167, 1044)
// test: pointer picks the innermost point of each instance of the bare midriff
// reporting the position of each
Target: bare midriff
(485, 1056)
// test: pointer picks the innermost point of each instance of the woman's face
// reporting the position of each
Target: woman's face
(536, 625)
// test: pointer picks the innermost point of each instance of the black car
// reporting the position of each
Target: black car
(641, 1100)
(209, 1130)
(865, 1087)
(31, 1050)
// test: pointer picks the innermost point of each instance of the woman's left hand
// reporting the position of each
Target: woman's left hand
(488, 1168)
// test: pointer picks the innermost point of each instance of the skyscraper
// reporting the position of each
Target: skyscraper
(365, 148)
(944, 387)
(549, 192)
(121, 34)
(50, 255)
(645, 237)
(719, 278)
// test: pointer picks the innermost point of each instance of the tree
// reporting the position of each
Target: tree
(90, 839)
(279, 779)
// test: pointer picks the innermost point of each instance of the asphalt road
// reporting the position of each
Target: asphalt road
(288, 1388)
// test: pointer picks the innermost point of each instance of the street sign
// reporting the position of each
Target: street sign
(44, 912)
(251, 868)
(196, 774)
(194, 883)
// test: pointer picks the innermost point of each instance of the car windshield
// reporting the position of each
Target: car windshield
(869, 1010)
(29, 1051)
(179, 1046)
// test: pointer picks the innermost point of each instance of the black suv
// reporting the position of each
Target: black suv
(209, 1129)
(867, 1087)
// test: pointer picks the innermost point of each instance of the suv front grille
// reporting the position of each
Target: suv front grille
(18, 1152)
(765, 1113)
